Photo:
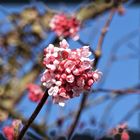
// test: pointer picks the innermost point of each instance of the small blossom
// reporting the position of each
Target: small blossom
(90, 82)
(64, 44)
(125, 136)
(70, 78)
(53, 91)
(65, 26)
(80, 82)
(35, 92)
(122, 131)
(97, 75)
(84, 52)
(11, 132)
(86, 64)
(72, 74)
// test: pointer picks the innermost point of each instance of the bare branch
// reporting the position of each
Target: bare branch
(33, 116)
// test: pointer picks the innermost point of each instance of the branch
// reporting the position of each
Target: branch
(92, 10)
(130, 113)
(100, 100)
(92, 103)
(117, 45)
(105, 30)
(34, 115)
(119, 91)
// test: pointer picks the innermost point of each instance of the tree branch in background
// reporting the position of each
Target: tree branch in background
(130, 113)
(104, 31)
(117, 45)
(113, 94)
(119, 91)
(94, 9)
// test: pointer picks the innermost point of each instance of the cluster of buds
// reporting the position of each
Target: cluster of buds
(35, 92)
(65, 26)
(68, 72)
(120, 132)
(11, 132)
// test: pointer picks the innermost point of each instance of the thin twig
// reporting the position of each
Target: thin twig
(114, 94)
(34, 115)
(107, 110)
(105, 30)
(119, 91)
(117, 45)
(130, 113)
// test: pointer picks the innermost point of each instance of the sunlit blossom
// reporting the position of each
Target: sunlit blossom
(65, 26)
(72, 74)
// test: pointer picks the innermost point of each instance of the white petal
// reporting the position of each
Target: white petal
(44, 83)
(62, 104)
(50, 46)
(53, 90)
(58, 83)
(50, 66)
(64, 44)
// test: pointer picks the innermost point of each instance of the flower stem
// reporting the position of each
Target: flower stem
(34, 115)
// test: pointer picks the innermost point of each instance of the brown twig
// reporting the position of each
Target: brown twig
(102, 37)
(119, 91)
(105, 30)
(94, 9)
(114, 94)
(112, 103)
(34, 115)
(130, 113)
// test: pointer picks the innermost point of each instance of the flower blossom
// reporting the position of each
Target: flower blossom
(68, 72)
(121, 131)
(65, 26)
(11, 132)
(35, 92)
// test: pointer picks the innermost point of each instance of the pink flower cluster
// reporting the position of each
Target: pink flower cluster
(11, 131)
(65, 26)
(68, 72)
(121, 131)
(35, 92)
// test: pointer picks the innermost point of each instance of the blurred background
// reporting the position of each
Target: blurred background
(24, 33)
